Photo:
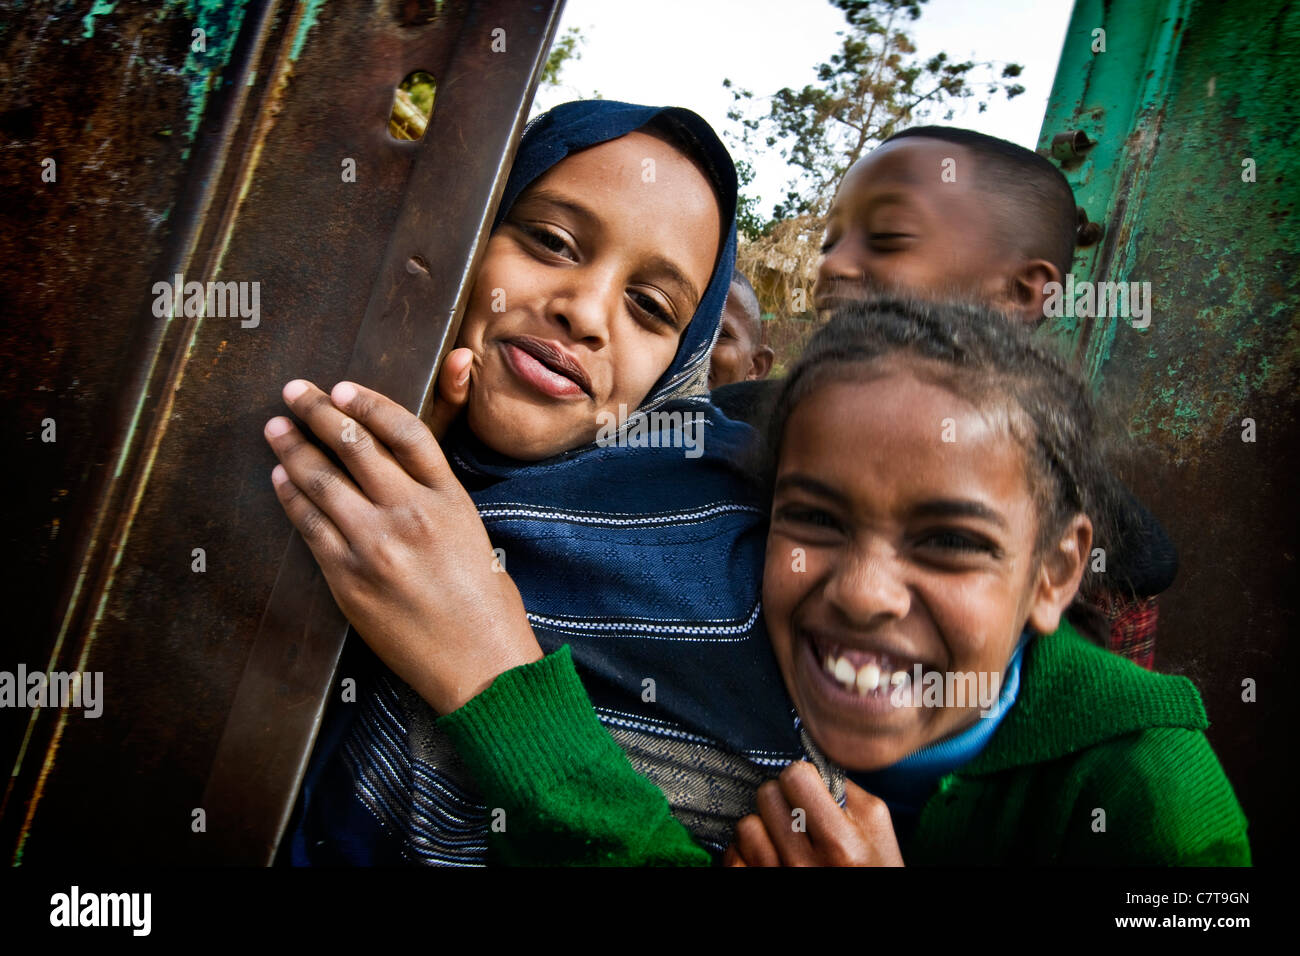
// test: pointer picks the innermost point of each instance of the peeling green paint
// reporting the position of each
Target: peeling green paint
(304, 27)
(220, 21)
(99, 8)
(1165, 178)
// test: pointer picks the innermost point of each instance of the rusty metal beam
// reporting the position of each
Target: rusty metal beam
(478, 116)
(215, 681)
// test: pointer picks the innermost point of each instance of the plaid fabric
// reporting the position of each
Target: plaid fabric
(1132, 622)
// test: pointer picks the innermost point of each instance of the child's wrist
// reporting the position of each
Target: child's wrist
(454, 696)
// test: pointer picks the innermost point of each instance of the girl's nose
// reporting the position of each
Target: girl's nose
(587, 308)
(868, 588)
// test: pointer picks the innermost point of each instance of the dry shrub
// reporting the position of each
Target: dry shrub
(782, 265)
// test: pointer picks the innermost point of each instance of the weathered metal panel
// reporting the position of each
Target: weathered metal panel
(214, 681)
(1183, 94)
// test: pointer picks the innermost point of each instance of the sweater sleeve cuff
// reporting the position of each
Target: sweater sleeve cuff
(534, 724)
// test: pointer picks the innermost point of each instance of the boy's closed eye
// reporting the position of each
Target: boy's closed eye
(889, 225)
(890, 241)
(879, 241)
(830, 240)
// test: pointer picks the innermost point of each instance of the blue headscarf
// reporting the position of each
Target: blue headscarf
(645, 561)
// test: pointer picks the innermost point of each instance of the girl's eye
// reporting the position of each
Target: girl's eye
(809, 517)
(651, 307)
(829, 244)
(956, 541)
(548, 240)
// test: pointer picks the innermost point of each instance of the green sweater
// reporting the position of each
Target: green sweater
(1098, 762)
(539, 753)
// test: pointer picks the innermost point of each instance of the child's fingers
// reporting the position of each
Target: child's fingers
(453, 390)
(752, 845)
(400, 431)
(316, 528)
(873, 820)
(316, 478)
(786, 828)
(866, 809)
(370, 464)
(831, 831)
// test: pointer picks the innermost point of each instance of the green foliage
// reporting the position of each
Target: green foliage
(749, 221)
(564, 49)
(873, 86)
(421, 87)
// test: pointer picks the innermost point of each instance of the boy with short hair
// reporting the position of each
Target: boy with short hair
(740, 355)
(941, 213)
(949, 213)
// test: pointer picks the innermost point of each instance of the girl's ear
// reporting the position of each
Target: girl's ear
(1059, 575)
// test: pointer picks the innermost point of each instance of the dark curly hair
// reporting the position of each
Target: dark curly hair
(989, 361)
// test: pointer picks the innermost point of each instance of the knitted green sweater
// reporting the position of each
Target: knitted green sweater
(1098, 762)
(558, 789)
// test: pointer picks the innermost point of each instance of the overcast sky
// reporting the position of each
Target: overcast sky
(677, 53)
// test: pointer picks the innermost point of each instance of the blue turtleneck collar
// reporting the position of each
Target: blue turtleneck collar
(908, 784)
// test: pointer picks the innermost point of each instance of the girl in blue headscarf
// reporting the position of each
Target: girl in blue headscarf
(603, 488)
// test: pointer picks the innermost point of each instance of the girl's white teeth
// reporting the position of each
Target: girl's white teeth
(868, 679)
(865, 680)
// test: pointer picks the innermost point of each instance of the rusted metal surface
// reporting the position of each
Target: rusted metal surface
(213, 679)
(1183, 95)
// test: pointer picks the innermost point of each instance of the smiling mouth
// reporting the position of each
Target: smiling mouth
(546, 367)
(830, 294)
(869, 674)
(829, 303)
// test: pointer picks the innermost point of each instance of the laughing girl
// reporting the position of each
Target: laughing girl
(937, 495)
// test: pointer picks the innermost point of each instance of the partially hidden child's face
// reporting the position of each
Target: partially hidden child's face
(585, 290)
(732, 359)
(898, 225)
(891, 547)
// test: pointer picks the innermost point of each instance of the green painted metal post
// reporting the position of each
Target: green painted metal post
(1192, 108)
